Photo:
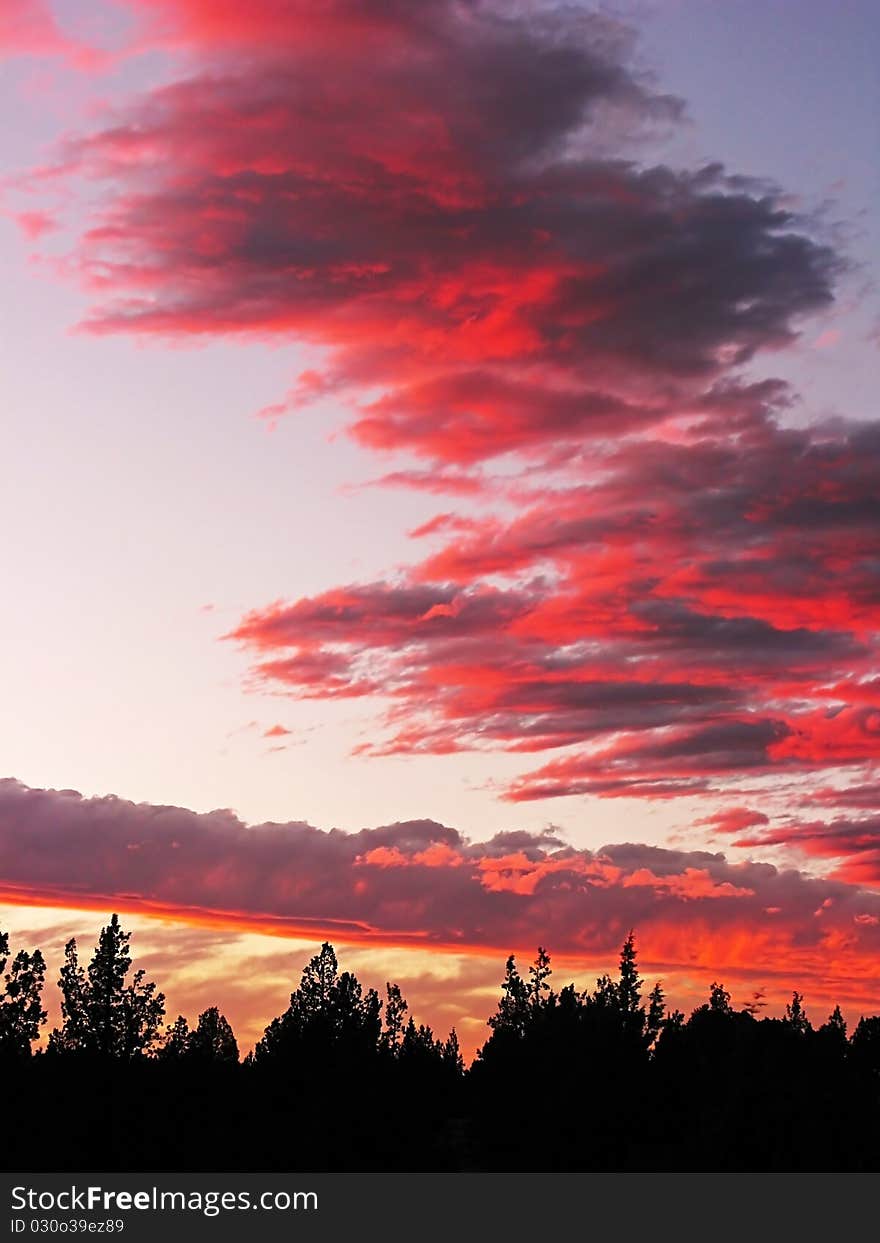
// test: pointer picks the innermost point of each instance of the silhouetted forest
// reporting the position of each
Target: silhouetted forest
(607, 1079)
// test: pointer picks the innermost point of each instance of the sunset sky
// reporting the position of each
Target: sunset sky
(441, 486)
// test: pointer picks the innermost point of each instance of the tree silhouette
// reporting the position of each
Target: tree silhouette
(106, 976)
(866, 1046)
(213, 1039)
(73, 1035)
(795, 1015)
(615, 1007)
(604, 995)
(719, 1000)
(451, 1053)
(319, 978)
(656, 1013)
(418, 1043)
(21, 1011)
(837, 1022)
(101, 1014)
(603, 1079)
(143, 1009)
(540, 971)
(328, 1014)
(629, 986)
(674, 1021)
(395, 1009)
(175, 1041)
(512, 1012)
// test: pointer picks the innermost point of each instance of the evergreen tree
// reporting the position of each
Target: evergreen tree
(795, 1015)
(106, 988)
(357, 1015)
(865, 1045)
(540, 972)
(317, 982)
(74, 1034)
(832, 1035)
(213, 1039)
(656, 1013)
(512, 1011)
(836, 1021)
(21, 1011)
(604, 995)
(143, 1009)
(629, 985)
(719, 999)
(175, 1041)
(656, 1090)
(452, 1053)
(415, 1039)
(328, 1014)
(418, 1048)
(101, 1014)
(395, 1009)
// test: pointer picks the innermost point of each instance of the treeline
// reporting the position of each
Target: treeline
(605, 1079)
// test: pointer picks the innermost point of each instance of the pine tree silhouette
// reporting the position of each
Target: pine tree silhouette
(102, 1015)
(595, 1080)
(21, 1011)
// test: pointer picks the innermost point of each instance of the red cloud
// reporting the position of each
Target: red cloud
(592, 632)
(476, 258)
(854, 844)
(734, 820)
(865, 797)
(687, 593)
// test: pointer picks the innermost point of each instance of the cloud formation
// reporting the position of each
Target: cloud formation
(689, 633)
(30, 28)
(423, 884)
(854, 845)
(455, 204)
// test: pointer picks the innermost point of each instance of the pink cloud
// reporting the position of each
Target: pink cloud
(29, 28)
(423, 884)
(853, 844)
(35, 224)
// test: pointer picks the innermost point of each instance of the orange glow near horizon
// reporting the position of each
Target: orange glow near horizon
(205, 958)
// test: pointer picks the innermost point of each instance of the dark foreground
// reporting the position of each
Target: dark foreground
(567, 1081)
(732, 1094)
